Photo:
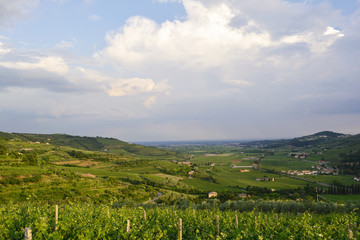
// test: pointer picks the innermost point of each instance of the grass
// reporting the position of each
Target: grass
(232, 177)
(223, 159)
(207, 185)
(329, 179)
(342, 198)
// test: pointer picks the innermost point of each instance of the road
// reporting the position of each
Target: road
(154, 199)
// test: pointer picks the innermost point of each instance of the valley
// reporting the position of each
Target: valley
(62, 169)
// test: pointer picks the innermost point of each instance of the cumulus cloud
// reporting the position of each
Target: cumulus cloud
(213, 36)
(204, 39)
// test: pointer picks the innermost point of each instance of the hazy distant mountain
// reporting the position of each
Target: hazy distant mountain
(320, 138)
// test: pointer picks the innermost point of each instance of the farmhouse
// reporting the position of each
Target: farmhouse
(185, 163)
(243, 195)
(212, 194)
(299, 155)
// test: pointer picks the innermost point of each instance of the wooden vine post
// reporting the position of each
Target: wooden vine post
(217, 225)
(56, 217)
(28, 234)
(180, 229)
(236, 221)
(355, 230)
(108, 212)
(351, 234)
(128, 226)
(144, 215)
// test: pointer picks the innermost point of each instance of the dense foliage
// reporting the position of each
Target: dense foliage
(103, 222)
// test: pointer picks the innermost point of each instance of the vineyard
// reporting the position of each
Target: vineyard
(106, 222)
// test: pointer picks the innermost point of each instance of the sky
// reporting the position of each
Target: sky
(156, 70)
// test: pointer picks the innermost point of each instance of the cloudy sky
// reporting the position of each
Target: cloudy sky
(180, 69)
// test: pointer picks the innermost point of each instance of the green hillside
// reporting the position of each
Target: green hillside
(111, 145)
(340, 150)
(56, 168)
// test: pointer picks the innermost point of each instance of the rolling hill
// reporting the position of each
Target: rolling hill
(63, 168)
(324, 138)
(110, 145)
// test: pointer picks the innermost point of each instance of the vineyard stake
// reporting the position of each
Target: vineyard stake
(180, 229)
(28, 234)
(56, 217)
(175, 213)
(236, 221)
(128, 226)
(350, 234)
(217, 225)
(108, 212)
(144, 215)
(355, 230)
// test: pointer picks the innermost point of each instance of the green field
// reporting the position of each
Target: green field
(63, 169)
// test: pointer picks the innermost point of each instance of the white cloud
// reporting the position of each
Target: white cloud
(205, 39)
(333, 31)
(53, 64)
(132, 86)
(213, 36)
(237, 82)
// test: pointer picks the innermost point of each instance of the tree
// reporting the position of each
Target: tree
(31, 158)
(3, 150)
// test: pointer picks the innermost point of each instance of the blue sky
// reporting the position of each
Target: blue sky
(180, 69)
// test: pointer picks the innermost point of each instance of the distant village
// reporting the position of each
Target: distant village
(317, 170)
